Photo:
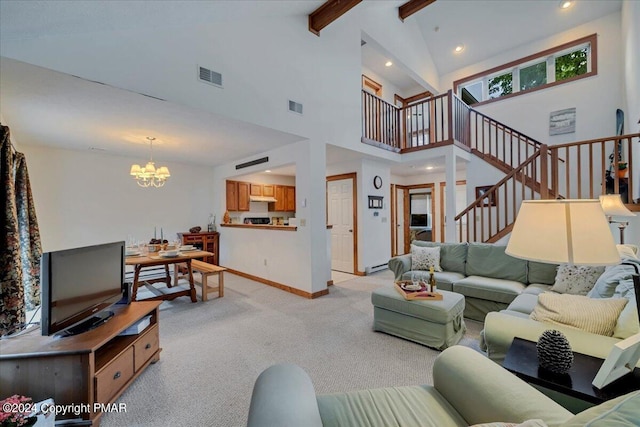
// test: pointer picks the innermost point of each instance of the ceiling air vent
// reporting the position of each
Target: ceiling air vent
(296, 107)
(209, 76)
(252, 163)
(362, 43)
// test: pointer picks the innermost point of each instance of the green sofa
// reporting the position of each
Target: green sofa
(488, 278)
(616, 282)
(467, 389)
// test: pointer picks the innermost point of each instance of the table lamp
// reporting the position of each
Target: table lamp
(613, 206)
(563, 232)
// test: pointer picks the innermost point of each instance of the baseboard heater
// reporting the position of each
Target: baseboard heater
(375, 268)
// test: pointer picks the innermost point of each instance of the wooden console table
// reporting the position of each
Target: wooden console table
(206, 241)
(93, 367)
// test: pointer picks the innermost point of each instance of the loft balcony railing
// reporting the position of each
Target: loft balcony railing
(583, 169)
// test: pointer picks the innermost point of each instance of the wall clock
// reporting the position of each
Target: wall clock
(377, 182)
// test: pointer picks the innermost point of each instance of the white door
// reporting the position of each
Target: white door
(399, 221)
(340, 205)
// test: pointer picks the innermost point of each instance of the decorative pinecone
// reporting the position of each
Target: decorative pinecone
(195, 229)
(554, 352)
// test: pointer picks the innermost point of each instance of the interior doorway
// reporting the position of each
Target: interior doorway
(412, 217)
(341, 215)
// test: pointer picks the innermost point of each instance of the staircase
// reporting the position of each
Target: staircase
(533, 170)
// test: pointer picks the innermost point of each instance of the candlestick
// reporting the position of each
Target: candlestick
(154, 233)
(161, 235)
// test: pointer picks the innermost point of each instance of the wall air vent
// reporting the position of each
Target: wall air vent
(252, 163)
(362, 43)
(295, 107)
(209, 76)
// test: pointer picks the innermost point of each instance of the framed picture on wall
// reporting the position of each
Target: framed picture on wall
(480, 191)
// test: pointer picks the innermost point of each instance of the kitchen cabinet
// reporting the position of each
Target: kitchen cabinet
(290, 199)
(232, 195)
(237, 196)
(268, 190)
(243, 196)
(255, 189)
(285, 199)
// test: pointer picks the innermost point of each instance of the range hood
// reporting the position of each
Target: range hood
(262, 199)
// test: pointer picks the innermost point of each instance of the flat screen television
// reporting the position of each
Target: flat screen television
(78, 285)
(419, 220)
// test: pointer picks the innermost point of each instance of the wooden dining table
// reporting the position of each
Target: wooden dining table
(154, 259)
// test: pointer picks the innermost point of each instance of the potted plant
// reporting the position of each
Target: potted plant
(622, 169)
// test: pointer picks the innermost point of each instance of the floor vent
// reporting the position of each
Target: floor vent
(209, 76)
(375, 268)
(295, 107)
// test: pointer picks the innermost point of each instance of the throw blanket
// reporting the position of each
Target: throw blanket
(616, 281)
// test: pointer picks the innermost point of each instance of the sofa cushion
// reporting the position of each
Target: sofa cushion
(627, 323)
(444, 279)
(540, 272)
(536, 289)
(488, 288)
(453, 256)
(423, 258)
(393, 406)
(622, 411)
(524, 303)
(598, 316)
(488, 260)
(576, 279)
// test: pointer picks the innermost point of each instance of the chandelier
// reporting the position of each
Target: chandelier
(149, 176)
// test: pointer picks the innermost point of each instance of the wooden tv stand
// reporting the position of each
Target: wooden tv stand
(93, 367)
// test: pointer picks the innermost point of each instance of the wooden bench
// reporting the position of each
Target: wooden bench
(205, 269)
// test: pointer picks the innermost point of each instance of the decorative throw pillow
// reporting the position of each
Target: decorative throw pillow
(528, 423)
(627, 324)
(627, 251)
(576, 279)
(595, 315)
(422, 258)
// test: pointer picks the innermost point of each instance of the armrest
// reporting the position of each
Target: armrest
(482, 391)
(400, 265)
(501, 328)
(283, 396)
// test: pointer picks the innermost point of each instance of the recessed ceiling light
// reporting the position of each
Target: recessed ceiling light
(268, 171)
(459, 48)
(566, 4)
(429, 168)
(388, 64)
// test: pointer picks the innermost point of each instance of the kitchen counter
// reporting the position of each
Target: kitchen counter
(262, 227)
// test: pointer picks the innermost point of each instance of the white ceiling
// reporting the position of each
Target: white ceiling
(57, 109)
(46, 107)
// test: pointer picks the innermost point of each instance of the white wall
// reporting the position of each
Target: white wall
(85, 198)
(595, 98)
(294, 258)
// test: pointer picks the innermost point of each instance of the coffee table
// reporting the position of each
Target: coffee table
(522, 360)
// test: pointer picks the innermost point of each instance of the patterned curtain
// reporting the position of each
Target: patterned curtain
(19, 240)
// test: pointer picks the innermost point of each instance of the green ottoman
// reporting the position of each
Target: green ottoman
(437, 324)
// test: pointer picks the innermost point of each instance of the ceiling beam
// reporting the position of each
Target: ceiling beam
(329, 12)
(411, 7)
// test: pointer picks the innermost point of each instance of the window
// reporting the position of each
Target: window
(561, 64)
(420, 208)
(371, 85)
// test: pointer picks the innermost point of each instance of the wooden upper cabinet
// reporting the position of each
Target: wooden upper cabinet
(290, 199)
(243, 196)
(232, 195)
(285, 199)
(268, 190)
(256, 189)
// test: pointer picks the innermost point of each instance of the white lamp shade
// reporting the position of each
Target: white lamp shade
(163, 172)
(612, 206)
(150, 168)
(563, 232)
(135, 170)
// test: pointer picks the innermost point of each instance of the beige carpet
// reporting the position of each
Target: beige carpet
(214, 351)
